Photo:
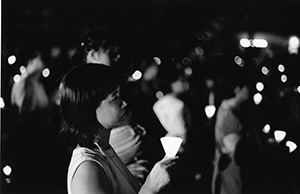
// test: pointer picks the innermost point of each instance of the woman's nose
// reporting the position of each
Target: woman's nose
(124, 104)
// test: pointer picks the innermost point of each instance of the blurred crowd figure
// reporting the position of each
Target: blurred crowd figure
(171, 110)
(228, 133)
(174, 113)
(29, 95)
(35, 121)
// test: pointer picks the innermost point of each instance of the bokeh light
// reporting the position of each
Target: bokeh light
(157, 60)
(2, 103)
(298, 89)
(46, 72)
(188, 71)
(239, 61)
(279, 135)
(291, 145)
(259, 86)
(11, 59)
(264, 70)
(159, 94)
(257, 98)
(186, 61)
(293, 45)
(266, 128)
(283, 78)
(199, 50)
(281, 68)
(259, 43)
(7, 170)
(199, 35)
(17, 78)
(245, 43)
(294, 41)
(22, 69)
(137, 75)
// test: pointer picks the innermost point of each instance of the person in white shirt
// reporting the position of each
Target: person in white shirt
(91, 107)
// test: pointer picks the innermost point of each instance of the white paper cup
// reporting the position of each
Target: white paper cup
(171, 145)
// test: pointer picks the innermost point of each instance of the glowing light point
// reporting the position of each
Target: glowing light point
(7, 170)
(266, 128)
(46, 72)
(291, 145)
(17, 78)
(239, 61)
(294, 41)
(22, 69)
(157, 60)
(257, 98)
(279, 135)
(2, 104)
(159, 94)
(264, 70)
(55, 52)
(293, 45)
(137, 75)
(210, 111)
(259, 86)
(298, 89)
(199, 50)
(186, 61)
(283, 78)
(7, 180)
(245, 43)
(260, 43)
(281, 68)
(12, 59)
(188, 71)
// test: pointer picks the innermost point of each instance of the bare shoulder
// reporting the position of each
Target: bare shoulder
(90, 178)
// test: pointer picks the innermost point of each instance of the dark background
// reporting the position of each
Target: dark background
(165, 28)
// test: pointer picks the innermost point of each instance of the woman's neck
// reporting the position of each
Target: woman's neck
(103, 139)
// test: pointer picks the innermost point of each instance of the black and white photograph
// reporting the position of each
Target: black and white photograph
(150, 97)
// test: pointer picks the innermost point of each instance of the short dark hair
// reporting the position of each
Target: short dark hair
(95, 39)
(82, 90)
(230, 76)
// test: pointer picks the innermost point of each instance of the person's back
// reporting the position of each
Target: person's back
(228, 131)
(29, 95)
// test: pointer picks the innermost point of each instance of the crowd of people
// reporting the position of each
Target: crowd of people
(99, 130)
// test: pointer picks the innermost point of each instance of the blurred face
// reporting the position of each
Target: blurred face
(104, 56)
(112, 111)
(242, 93)
(35, 65)
(179, 86)
(99, 57)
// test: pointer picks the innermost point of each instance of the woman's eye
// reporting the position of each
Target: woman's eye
(117, 98)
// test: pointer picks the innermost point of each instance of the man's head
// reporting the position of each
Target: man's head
(100, 46)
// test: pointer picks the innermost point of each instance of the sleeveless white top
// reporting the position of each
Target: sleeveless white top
(121, 181)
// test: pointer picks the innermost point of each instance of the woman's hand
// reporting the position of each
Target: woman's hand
(159, 176)
(138, 169)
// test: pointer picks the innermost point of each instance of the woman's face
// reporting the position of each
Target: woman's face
(112, 111)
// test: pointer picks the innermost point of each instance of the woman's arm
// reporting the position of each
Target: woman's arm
(159, 176)
(90, 178)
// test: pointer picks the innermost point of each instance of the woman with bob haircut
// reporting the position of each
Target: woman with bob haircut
(91, 106)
